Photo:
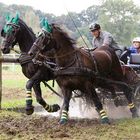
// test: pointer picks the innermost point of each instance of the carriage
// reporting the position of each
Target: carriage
(134, 64)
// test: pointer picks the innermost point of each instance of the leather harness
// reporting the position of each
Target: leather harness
(24, 58)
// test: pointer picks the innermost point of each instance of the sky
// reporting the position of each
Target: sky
(57, 7)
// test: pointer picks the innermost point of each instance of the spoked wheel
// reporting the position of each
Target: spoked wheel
(136, 96)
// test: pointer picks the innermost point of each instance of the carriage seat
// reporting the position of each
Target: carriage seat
(135, 61)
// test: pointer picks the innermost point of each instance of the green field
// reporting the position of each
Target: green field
(13, 85)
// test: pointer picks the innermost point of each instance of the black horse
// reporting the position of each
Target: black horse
(16, 31)
(78, 69)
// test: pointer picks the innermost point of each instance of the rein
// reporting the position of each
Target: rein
(45, 58)
(62, 68)
(61, 56)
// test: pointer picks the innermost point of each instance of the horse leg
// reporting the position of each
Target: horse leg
(29, 107)
(128, 94)
(99, 107)
(65, 107)
(35, 83)
(41, 101)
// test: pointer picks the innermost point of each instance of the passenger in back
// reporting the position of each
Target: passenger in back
(136, 45)
(134, 49)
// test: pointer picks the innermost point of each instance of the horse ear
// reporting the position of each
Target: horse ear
(42, 23)
(48, 26)
(7, 17)
(16, 19)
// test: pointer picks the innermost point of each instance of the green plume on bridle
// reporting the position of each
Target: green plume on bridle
(10, 19)
(45, 25)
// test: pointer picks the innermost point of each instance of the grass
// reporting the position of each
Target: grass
(13, 103)
(14, 82)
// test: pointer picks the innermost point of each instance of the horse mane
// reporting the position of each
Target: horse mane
(26, 36)
(28, 29)
(62, 36)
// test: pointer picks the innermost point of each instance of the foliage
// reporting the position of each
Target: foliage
(120, 17)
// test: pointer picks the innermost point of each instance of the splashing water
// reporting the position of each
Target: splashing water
(78, 109)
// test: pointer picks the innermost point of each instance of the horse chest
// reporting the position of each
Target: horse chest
(72, 82)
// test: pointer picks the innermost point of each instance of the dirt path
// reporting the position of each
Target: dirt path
(15, 126)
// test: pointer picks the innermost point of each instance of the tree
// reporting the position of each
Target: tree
(121, 18)
(82, 41)
(89, 15)
(32, 20)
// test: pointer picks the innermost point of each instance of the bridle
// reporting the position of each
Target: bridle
(11, 38)
(39, 45)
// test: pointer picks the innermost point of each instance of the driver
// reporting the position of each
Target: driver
(103, 38)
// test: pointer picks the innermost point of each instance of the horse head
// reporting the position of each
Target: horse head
(44, 38)
(16, 31)
(10, 32)
(51, 38)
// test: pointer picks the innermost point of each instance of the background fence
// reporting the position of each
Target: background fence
(6, 62)
(13, 81)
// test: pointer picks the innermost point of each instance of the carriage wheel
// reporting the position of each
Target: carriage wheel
(136, 96)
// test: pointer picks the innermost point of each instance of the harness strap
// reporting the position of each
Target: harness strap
(95, 62)
(24, 58)
(86, 72)
(88, 53)
(75, 71)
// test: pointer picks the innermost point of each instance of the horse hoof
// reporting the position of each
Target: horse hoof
(105, 121)
(63, 121)
(56, 107)
(29, 110)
